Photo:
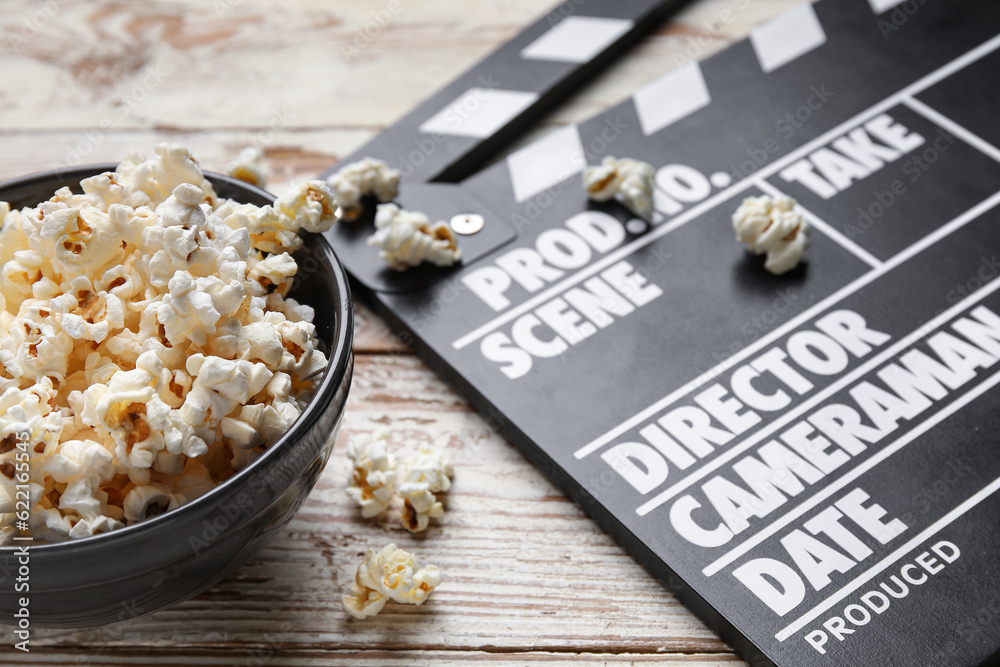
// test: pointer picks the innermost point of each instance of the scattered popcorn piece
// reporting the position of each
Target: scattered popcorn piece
(407, 238)
(374, 478)
(428, 472)
(361, 601)
(630, 181)
(774, 227)
(389, 574)
(146, 345)
(367, 177)
(249, 166)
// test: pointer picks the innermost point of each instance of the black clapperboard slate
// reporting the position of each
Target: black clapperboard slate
(810, 461)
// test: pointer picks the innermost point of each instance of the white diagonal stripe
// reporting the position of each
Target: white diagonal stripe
(576, 39)
(479, 112)
(673, 96)
(548, 161)
(785, 38)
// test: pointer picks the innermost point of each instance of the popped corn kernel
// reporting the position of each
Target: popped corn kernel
(374, 477)
(149, 500)
(34, 344)
(99, 524)
(389, 574)
(358, 179)
(774, 227)
(268, 230)
(154, 179)
(362, 602)
(407, 238)
(19, 274)
(275, 272)
(249, 166)
(630, 181)
(308, 206)
(147, 347)
(192, 306)
(428, 472)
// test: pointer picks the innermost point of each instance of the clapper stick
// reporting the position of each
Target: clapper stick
(456, 130)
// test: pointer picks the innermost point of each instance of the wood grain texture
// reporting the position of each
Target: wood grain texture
(226, 63)
(529, 580)
(372, 336)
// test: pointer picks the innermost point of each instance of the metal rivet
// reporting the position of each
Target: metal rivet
(467, 223)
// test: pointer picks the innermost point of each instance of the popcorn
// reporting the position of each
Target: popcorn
(7, 508)
(389, 574)
(105, 190)
(144, 500)
(76, 459)
(186, 238)
(290, 308)
(33, 344)
(270, 421)
(362, 602)
(88, 527)
(300, 357)
(274, 272)
(408, 239)
(274, 229)
(18, 276)
(358, 179)
(236, 381)
(261, 341)
(630, 181)
(268, 230)
(194, 481)
(307, 206)
(28, 411)
(427, 473)
(78, 328)
(249, 166)
(183, 207)
(12, 238)
(192, 306)
(374, 476)
(153, 180)
(50, 524)
(77, 241)
(147, 347)
(774, 227)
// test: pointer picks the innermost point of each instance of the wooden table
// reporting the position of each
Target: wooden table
(528, 578)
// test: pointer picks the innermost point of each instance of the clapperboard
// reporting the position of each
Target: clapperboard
(810, 461)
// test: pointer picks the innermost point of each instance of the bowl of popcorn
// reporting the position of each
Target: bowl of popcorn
(175, 355)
